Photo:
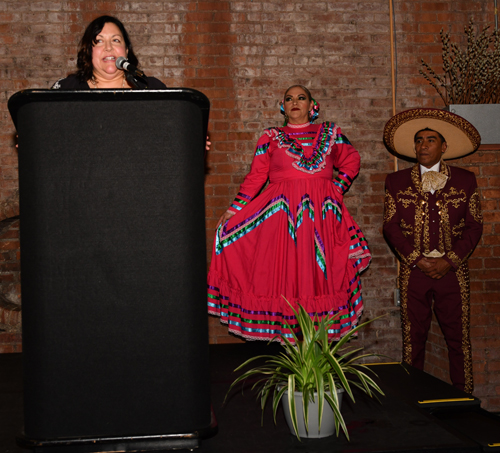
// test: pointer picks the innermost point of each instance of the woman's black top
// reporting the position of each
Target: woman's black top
(73, 82)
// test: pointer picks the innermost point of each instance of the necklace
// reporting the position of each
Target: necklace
(94, 82)
(297, 126)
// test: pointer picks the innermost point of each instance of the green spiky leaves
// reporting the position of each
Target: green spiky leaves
(314, 366)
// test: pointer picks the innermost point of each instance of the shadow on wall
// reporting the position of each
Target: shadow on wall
(10, 276)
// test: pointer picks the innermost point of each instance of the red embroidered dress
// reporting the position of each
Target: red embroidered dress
(296, 239)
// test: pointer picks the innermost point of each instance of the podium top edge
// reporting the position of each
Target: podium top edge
(111, 93)
(17, 100)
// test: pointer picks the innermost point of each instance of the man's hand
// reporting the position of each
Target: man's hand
(434, 267)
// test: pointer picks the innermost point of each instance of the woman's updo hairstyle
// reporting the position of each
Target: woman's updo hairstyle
(313, 113)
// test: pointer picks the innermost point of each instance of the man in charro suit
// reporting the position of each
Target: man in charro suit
(433, 222)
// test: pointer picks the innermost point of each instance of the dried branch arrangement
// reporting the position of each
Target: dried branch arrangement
(471, 76)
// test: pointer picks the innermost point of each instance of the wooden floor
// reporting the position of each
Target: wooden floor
(398, 424)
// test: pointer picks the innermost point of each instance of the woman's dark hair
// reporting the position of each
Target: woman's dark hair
(84, 61)
(308, 93)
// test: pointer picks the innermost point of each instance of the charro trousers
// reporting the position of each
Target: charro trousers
(450, 301)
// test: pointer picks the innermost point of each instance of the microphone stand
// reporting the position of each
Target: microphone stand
(135, 81)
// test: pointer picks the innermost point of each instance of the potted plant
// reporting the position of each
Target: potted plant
(469, 84)
(313, 371)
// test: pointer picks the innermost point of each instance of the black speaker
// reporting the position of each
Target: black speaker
(113, 262)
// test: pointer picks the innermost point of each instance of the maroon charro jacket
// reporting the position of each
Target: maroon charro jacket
(449, 220)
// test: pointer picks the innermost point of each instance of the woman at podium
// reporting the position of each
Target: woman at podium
(104, 52)
(296, 240)
(105, 40)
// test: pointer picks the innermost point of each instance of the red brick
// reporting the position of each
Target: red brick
(214, 6)
(428, 28)
(217, 179)
(494, 366)
(489, 300)
(215, 202)
(492, 263)
(494, 182)
(490, 193)
(492, 286)
(435, 6)
(491, 170)
(195, 38)
(213, 72)
(475, 263)
(199, 17)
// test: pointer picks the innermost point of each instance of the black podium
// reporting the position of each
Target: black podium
(115, 339)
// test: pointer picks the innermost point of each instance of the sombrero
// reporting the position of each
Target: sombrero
(460, 135)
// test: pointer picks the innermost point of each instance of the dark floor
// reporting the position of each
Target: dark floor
(399, 424)
(11, 396)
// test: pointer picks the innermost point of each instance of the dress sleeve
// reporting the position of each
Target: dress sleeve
(69, 83)
(393, 232)
(472, 231)
(256, 178)
(57, 85)
(347, 161)
(155, 84)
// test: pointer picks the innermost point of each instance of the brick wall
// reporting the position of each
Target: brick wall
(10, 276)
(10, 303)
(485, 281)
(242, 55)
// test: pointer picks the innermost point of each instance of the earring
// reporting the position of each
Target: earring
(314, 112)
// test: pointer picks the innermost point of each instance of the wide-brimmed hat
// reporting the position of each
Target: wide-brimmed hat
(461, 136)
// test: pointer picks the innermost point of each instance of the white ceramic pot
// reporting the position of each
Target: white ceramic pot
(327, 423)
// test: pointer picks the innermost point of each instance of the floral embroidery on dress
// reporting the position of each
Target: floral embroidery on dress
(57, 85)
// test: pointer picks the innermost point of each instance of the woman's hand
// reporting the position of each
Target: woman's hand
(224, 218)
(207, 144)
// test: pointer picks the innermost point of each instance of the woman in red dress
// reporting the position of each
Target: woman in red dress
(295, 240)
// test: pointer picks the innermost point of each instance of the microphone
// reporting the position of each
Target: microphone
(125, 65)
